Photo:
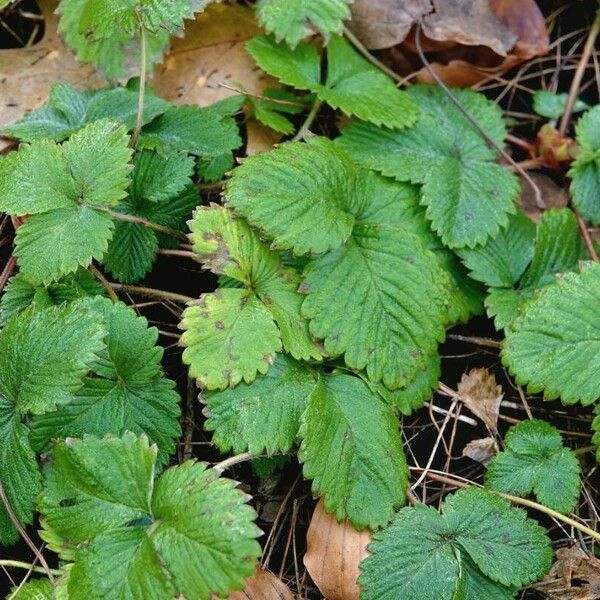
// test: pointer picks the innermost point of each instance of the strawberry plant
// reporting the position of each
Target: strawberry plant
(337, 262)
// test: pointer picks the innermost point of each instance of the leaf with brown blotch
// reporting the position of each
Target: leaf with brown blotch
(481, 450)
(574, 576)
(333, 554)
(263, 585)
(482, 396)
(27, 74)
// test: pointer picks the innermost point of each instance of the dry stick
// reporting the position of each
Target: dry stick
(478, 341)
(15, 521)
(536, 190)
(585, 234)
(9, 267)
(105, 283)
(152, 293)
(525, 403)
(189, 420)
(581, 67)
(515, 500)
(17, 564)
(234, 460)
(181, 253)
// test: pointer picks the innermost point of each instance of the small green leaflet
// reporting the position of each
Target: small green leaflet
(596, 430)
(43, 356)
(264, 416)
(478, 543)
(561, 325)
(552, 106)
(535, 460)
(353, 85)
(352, 449)
(34, 589)
(293, 20)
(270, 109)
(524, 258)
(372, 270)
(68, 110)
(585, 170)
(132, 537)
(64, 188)
(468, 196)
(126, 390)
(245, 327)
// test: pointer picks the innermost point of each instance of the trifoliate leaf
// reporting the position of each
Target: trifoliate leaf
(535, 460)
(552, 106)
(34, 589)
(229, 336)
(503, 259)
(418, 391)
(127, 391)
(43, 356)
(21, 293)
(264, 416)
(585, 170)
(293, 20)
(352, 450)
(229, 246)
(353, 84)
(270, 109)
(562, 326)
(58, 242)
(69, 109)
(468, 196)
(156, 177)
(200, 131)
(318, 200)
(152, 540)
(423, 554)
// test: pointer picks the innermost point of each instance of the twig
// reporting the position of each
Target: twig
(15, 521)
(182, 253)
(105, 283)
(304, 130)
(188, 429)
(443, 411)
(17, 564)
(524, 401)
(233, 460)
(9, 267)
(536, 190)
(139, 120)
(581, 67)
(585, 234)
(479, 341)
(152, 293)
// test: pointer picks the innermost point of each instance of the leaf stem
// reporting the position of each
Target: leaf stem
(585, 234)
(152, 293)
(233, 460)
(105, 284)
(140, 110)
(18, 564)
(515, 500)
(304, 130)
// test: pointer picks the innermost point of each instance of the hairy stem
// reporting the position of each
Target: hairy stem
(152, 293)
(233, 460)
(140, 110)
(304, 130)
(96, 273)
(18, 564)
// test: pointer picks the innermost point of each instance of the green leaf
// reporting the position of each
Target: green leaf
(596, 430)
(21, 293)
(535, 460)
(229, 336)
(127, 392)
(69, 109)
(200, 131)
(59, 242)
(562, 326)
(213, 168)
(34, 589)
(353, 84)
(352, 450)
(143, 539)
(468, 196)
(585, 169)
(504, 258)
(273, 105)
(43, 356)
(261, 417)
(293, 20)
(552, 106)
(478, 542)
(505, 304)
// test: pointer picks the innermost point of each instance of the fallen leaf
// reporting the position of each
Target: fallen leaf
(263, 585)
(210, 54)
(574, 576)
(482, 396)
(27, 74)
(481, 450)
(334, 551)
(259, 137)
(552, 194)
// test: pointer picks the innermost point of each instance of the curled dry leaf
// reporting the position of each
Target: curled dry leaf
(467, 40)
(552, 195)
(333, 554)
(482, 395)
(27, 74)
(574, 576)
(263, 585)
(481, 450)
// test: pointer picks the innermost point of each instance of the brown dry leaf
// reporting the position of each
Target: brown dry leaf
(27, 74)
(263, 585)
(482, 396)
(334, 551)
(481, 450)
(574, 576)
(260, 137)
(211, 53)
(553, 195)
